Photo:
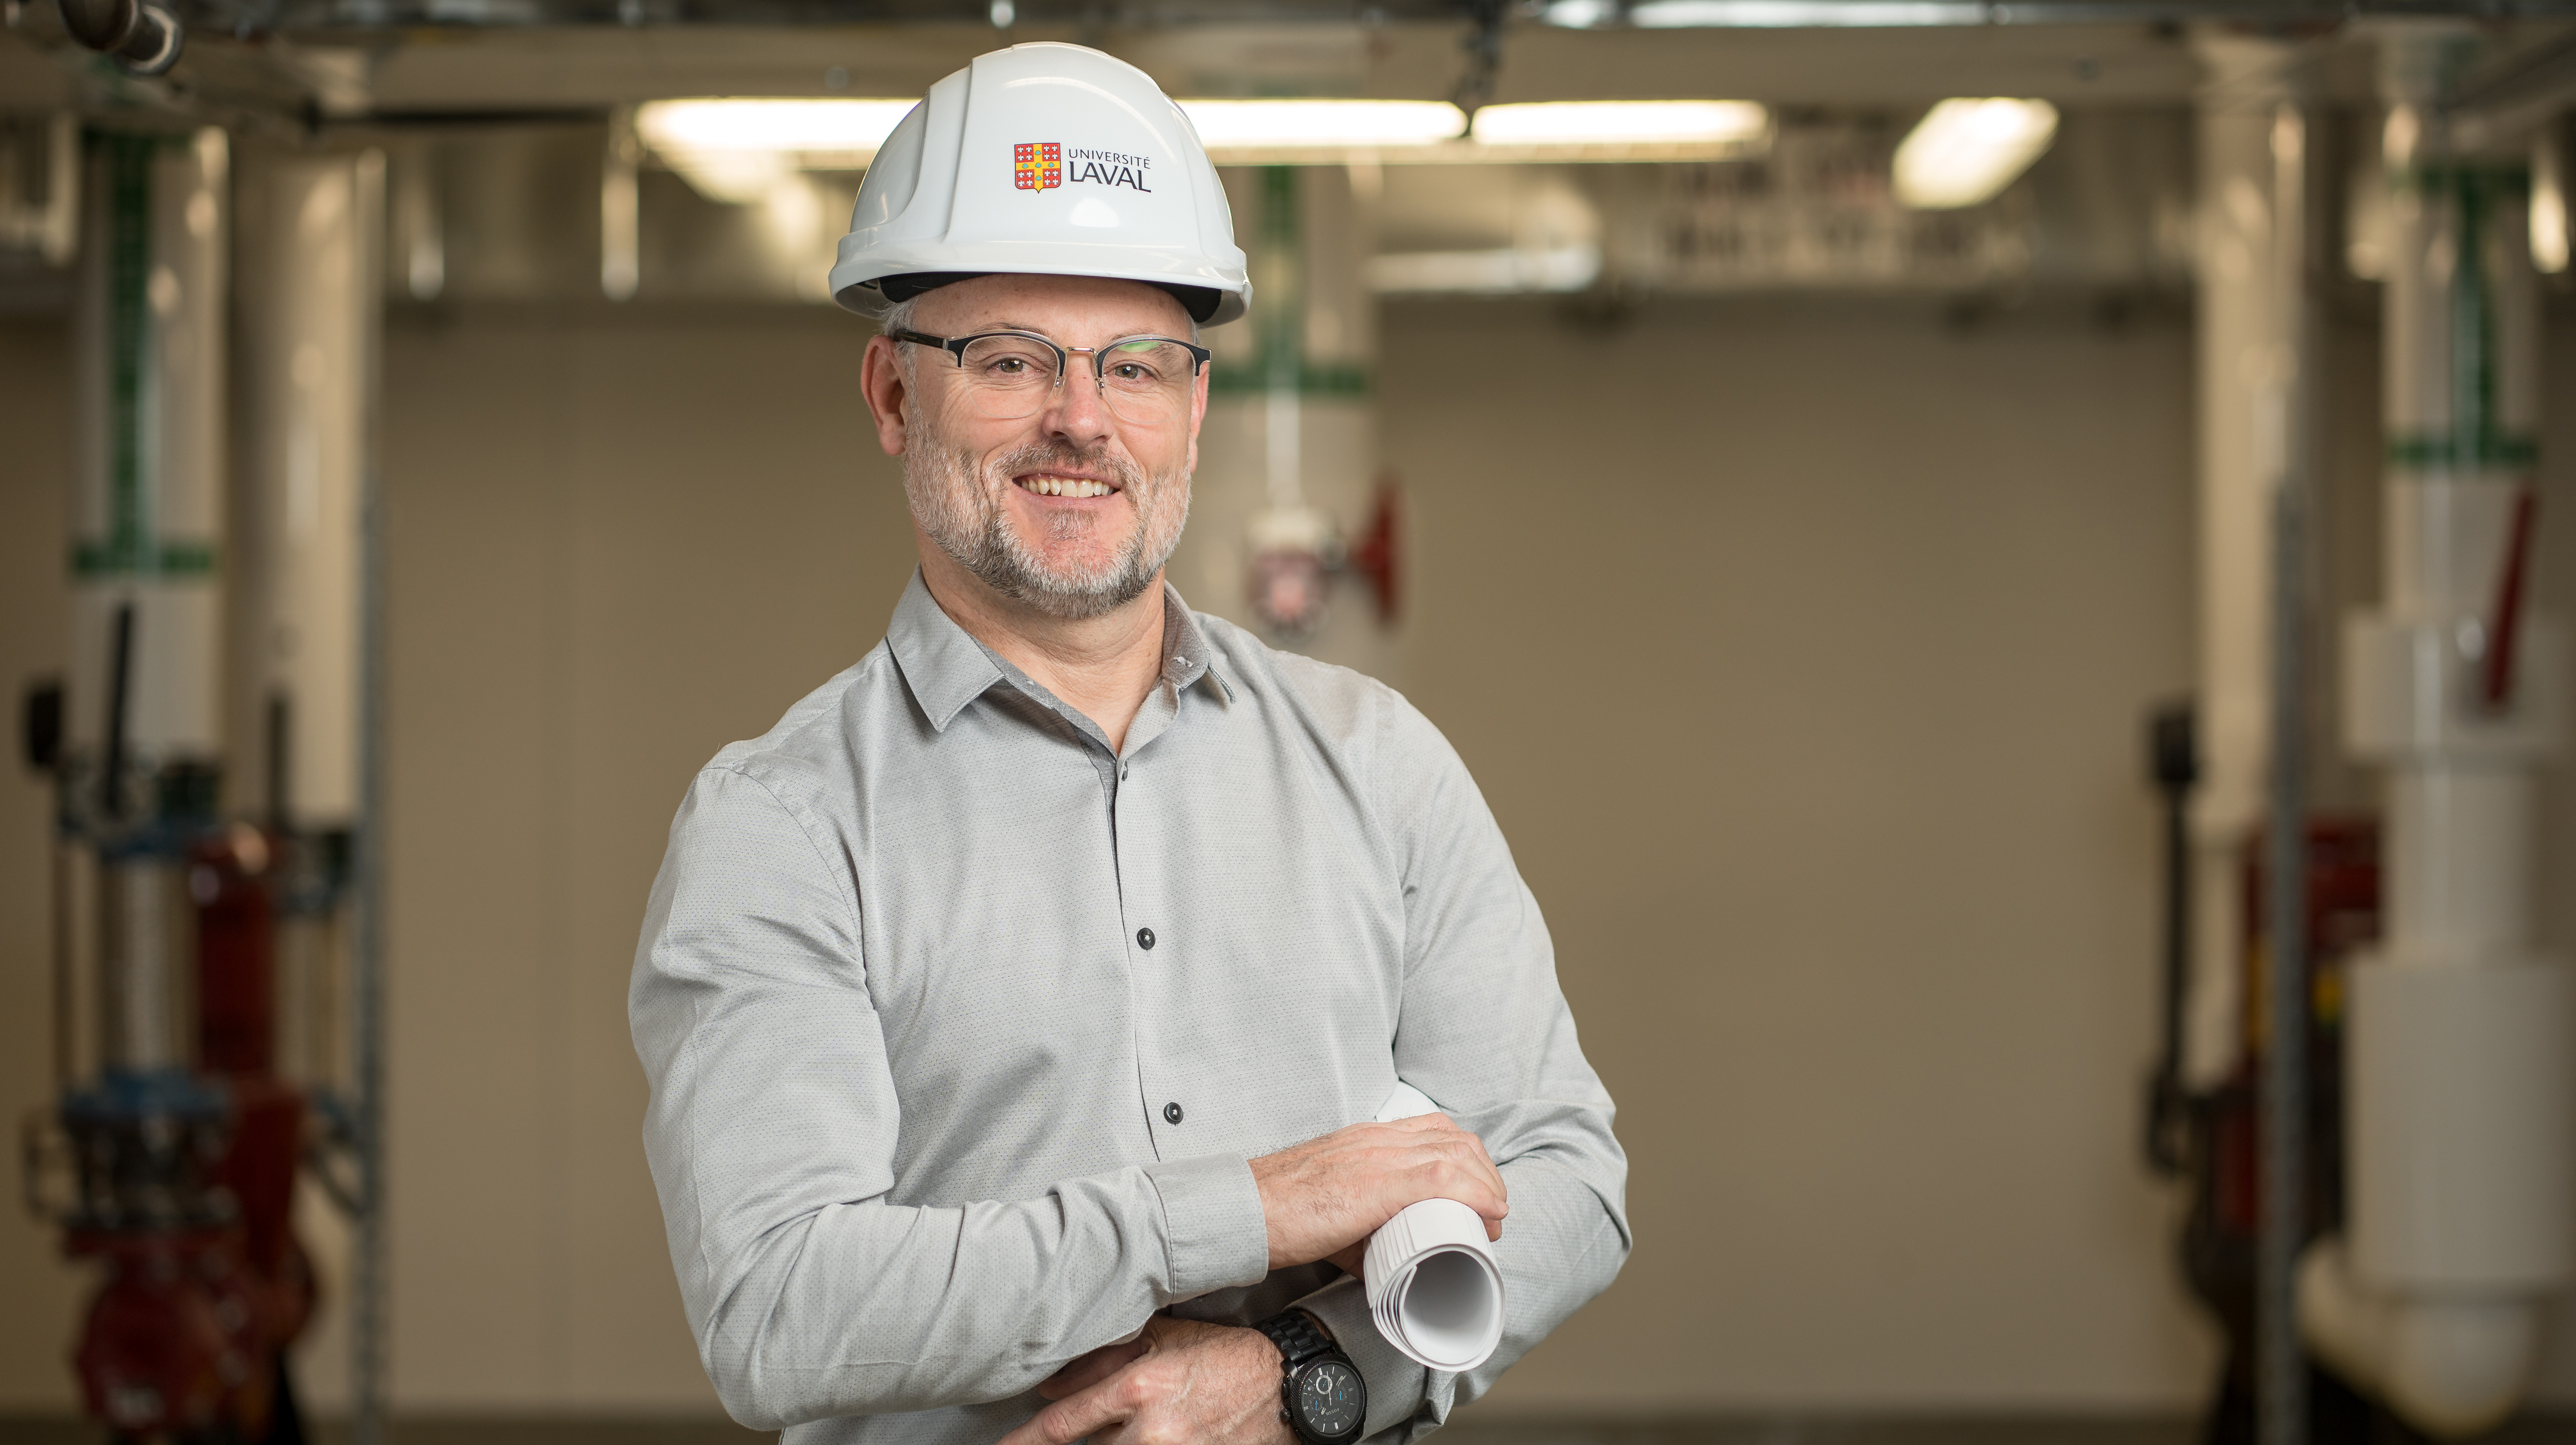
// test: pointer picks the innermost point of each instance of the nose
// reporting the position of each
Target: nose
(1076, 411)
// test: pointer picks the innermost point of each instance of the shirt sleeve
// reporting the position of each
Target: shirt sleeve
(1485, 1031)
(771, 1134)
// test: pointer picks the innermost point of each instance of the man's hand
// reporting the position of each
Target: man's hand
(1325, 1197)
(1182, 1382)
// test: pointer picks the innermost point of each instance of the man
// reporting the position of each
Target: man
(1015, 1008)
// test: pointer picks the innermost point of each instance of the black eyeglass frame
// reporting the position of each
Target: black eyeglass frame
(956, 347)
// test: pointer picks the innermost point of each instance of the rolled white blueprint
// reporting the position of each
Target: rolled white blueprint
(1433, 1286)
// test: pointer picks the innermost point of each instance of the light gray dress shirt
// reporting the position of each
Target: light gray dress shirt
(961, 1027)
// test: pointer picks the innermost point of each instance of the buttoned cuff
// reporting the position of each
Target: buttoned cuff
(1395, 1384)
(1212, 1224)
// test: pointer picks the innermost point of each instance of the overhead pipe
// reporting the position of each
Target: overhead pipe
(2461, 1104)
(142, 39)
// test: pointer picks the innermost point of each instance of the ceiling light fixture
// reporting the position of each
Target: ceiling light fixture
(1241, 131)
(1966, 151)
(1801, 14)
(735, 149)
(1578, 14)
(1626, 126)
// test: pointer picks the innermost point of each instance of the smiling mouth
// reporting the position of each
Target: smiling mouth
(1054, 486)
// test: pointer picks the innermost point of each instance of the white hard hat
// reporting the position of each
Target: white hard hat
(1050, 159)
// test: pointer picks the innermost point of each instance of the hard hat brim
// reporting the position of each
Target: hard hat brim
(1202, 302)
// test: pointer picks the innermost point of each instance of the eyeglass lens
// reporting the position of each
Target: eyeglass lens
(1146, 381)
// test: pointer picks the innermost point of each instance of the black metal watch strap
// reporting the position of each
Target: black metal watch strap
(1297, 1335)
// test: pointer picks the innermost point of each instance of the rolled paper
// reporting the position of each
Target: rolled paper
(1433, 1286)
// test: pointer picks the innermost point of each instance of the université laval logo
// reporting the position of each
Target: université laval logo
(1037, 165)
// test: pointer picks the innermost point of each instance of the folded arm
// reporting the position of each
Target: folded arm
(771, 1135)
(1485, 1032)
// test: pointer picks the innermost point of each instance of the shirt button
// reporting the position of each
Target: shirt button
(1145, 939)
(1171, 1113)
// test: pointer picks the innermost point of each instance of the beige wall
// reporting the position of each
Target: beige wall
(1801, 648)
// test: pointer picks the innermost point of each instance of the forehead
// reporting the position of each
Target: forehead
(1077, 310)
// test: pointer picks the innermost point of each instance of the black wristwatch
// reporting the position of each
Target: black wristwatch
(1321, 1394)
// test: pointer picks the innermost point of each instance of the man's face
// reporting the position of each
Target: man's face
(1070, 511)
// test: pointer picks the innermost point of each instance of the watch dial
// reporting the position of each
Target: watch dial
(1331, 1398)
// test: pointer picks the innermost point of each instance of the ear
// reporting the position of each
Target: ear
(881, 382)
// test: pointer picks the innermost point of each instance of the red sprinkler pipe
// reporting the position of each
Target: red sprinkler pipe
(2504, 628)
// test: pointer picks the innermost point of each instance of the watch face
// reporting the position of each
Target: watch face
(1331, 1399)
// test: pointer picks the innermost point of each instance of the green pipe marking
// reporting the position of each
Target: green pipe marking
(2476, 438)
(129, 549)
(1279, 309)
(94, 560)
(129, 326)
(1281, 321)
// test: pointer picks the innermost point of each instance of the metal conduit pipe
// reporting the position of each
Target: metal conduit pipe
(2461, 1121)
(143, 39)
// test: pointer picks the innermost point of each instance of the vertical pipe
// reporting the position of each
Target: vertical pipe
(2282, 1381)
(621, 268)
(370, 1283)
(312, 307)
(1288, 459)
(2460, 1033)
(367, 1004)
(2243, 426)
(147, 529)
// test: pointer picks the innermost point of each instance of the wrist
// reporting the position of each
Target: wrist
(1322, 1398)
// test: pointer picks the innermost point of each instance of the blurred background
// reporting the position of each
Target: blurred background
(1930, 522)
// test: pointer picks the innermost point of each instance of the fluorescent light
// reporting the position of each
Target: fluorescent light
(1623, 122)
(1578, 14)
(814, 127)
(736, 150)
(1966, 151)
(1303, 125)
(1801, 14)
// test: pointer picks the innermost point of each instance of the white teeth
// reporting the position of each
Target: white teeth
(1067, 487)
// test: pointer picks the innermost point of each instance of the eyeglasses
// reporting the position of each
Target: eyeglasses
(1145, 380)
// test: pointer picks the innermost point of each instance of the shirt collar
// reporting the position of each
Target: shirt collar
(946, 668)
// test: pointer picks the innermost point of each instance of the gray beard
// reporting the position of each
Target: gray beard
(962, 511)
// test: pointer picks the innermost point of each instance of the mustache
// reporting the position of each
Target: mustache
(1121, 470)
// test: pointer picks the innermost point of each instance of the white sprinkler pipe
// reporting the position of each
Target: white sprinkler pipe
(2245, 355)
(311, 312)
(147, 532)
(2460, 1036)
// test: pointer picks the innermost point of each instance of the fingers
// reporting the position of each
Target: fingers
(1457, 1167)
(1325, 1196)
(1084, 1371)
(1107, 1403)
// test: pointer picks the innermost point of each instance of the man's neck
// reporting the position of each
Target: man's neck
(1102, 667)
